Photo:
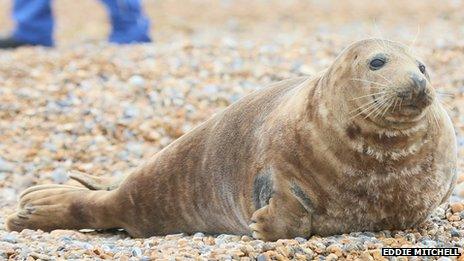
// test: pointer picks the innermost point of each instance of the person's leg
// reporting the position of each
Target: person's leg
(34, 22)
(129, 23)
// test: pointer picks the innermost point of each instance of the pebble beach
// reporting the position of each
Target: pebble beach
(103, 109)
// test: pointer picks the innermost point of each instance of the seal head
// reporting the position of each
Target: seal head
(383, 82)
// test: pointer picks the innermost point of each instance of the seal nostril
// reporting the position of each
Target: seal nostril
(419, 83)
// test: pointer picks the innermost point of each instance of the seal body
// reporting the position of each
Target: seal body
(358, 147)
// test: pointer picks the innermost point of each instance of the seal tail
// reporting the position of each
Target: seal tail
(93, 182)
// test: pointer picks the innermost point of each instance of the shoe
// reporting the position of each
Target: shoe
(10, 43)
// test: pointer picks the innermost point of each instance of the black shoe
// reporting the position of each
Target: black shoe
(10, 43)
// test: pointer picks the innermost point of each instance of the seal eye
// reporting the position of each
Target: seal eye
(377, 63)
(422, 68)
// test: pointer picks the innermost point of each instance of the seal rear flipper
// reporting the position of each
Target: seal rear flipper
(93, 182)
(49, 207)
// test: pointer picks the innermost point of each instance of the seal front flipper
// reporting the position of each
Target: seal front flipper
(283, 217)
(49, 207)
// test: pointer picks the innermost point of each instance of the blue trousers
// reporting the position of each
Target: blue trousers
(34, 21)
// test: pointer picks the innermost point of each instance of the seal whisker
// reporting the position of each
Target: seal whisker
(379, 107)
(446, 93)
(378, 43)
(367, 108)
(373, 101)
(415, 38)
(368, 95)
(444, 98)
(383, 44)
(434, 115)
(370, 106)
(385, 78)
(394, 104)
(392, 101)
(374, 110)
(384, 107)
(366, 81)
(447, 106)
(397, 101)
(365, 105)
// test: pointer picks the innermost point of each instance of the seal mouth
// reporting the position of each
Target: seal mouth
(407, 113)
(403, 110)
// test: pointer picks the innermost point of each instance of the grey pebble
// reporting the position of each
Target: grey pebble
(60, 176)
(411, 238)
(135, 148)
(8, 195)
(6, 166)
(429, 243)
(66, 239)
(198, 234)
(205, 249)
(83, 245)
(137, 81)
(368, 234)
(108, 248)
(223, 238)
(60, 248)
(455, 232)
(50, 146)
(136, 251)
(131, 112)
(10, 238)
(269, 246)
(210, 89)
(353, 246)
(261, 257)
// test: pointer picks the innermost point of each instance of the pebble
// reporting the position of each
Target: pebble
(60, 176)
(198, 235)
(137, 81)
(331, 257)
(137, 252)
(455, 232)
(444, 259)
(10, 238)
(457, 207)
(262, 257)
(6, 166)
